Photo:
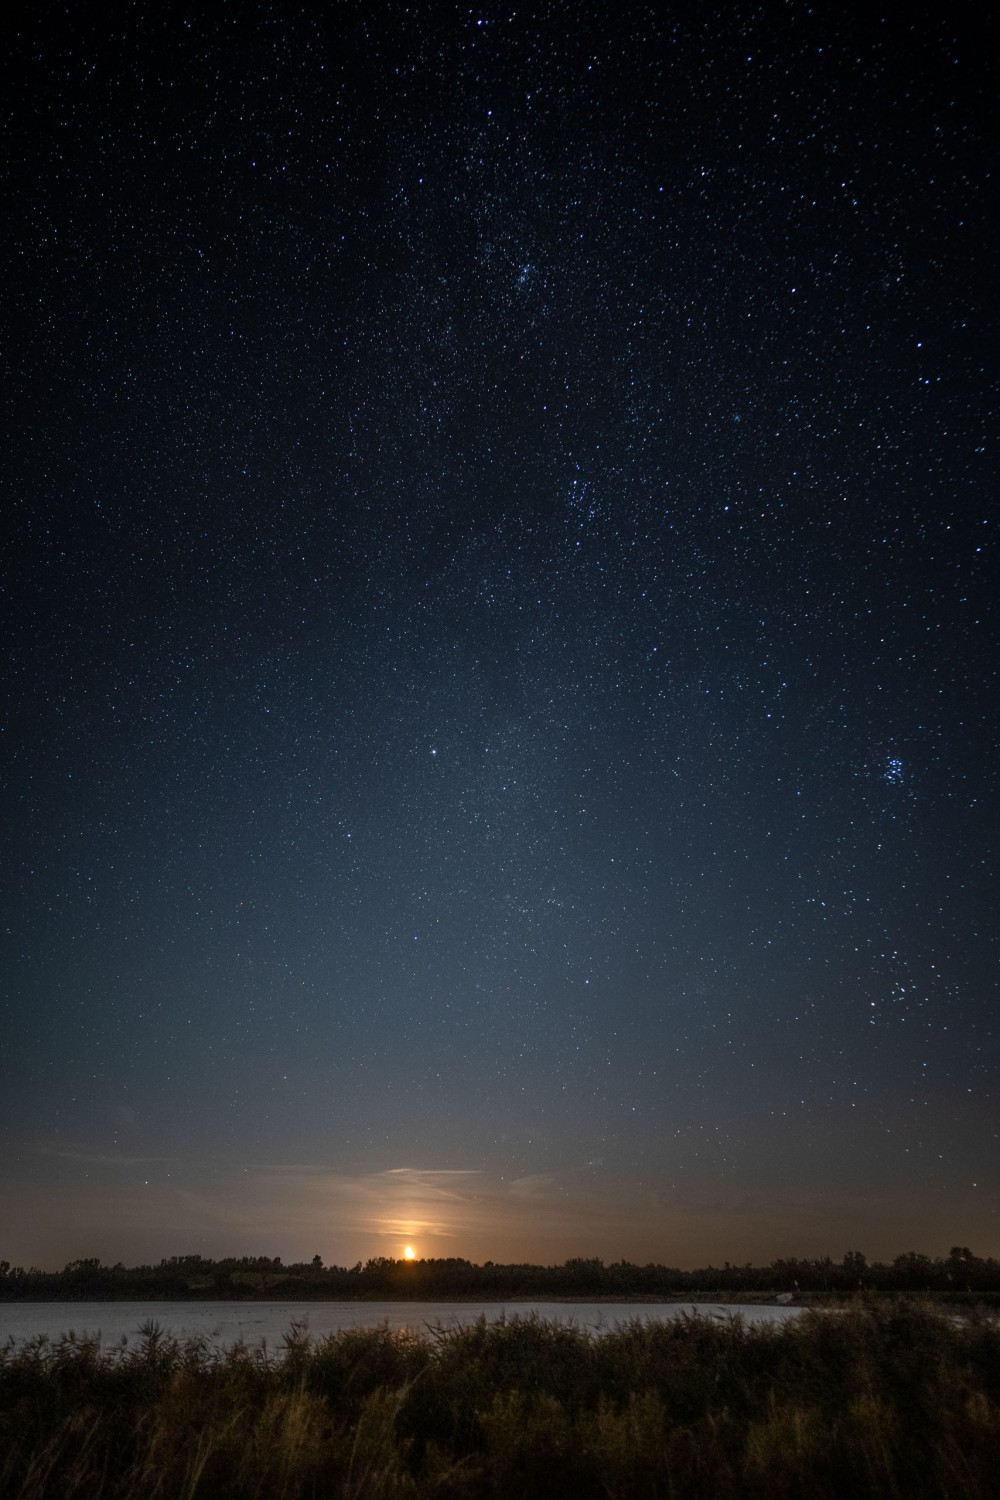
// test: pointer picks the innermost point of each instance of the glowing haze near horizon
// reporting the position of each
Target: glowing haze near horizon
(500, 739)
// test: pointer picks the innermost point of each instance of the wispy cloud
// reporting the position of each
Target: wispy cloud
(297, 1209)
(430, 1173)
(536, 1185)
(101, 1158)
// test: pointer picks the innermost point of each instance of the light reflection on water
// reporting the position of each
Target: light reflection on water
(225, 1323)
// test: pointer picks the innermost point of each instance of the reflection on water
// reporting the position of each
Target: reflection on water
(225, 1323)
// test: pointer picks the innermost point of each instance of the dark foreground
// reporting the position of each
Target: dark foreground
(889, 1400)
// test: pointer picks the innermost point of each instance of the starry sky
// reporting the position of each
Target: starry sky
(500, 653)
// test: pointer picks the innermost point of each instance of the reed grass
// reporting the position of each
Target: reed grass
(894, 1401)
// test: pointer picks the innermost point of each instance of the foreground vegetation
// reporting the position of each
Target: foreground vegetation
(959, 1276)
(887, 1400)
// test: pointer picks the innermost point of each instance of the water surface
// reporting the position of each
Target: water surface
(256, 1323)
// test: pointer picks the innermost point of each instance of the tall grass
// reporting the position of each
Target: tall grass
(893, 1401)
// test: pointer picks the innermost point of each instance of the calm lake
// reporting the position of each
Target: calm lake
(225, 1323)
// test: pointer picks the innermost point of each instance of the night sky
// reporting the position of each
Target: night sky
(500, 653)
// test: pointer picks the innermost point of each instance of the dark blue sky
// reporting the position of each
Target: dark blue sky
(500, 709)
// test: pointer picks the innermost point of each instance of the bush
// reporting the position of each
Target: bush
(885, 1400)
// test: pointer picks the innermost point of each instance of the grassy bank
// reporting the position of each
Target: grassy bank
(886, 1400)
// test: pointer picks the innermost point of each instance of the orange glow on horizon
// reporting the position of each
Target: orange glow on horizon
(409, 1253)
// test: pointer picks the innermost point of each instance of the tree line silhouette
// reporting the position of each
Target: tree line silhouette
(959, 1275)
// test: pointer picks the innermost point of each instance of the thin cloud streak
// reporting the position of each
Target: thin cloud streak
(297, 1210)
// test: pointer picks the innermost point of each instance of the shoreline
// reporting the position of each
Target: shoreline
(721, 1299)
